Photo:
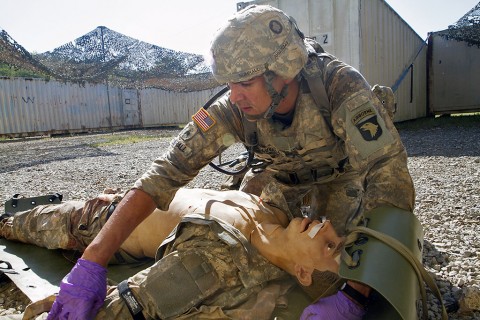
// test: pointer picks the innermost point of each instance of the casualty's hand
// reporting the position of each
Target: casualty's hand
(82, 292)
(335, 307)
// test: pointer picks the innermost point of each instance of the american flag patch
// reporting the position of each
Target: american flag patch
(203, 119)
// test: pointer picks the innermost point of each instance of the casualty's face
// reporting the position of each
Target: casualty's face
(251, 96)
(316, 243)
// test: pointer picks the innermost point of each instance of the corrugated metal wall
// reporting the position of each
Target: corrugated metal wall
(36, 106)
(370, 36)
(367, 34)
(166, 107)
(29, 106)
(454, 76)
(390, 49)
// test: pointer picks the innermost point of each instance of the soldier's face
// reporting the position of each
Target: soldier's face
(251, 96)
(317, 244)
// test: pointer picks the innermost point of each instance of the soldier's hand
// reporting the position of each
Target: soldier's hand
(82, 292)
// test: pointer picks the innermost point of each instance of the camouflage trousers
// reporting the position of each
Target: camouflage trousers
(71, 225)
(200, 276)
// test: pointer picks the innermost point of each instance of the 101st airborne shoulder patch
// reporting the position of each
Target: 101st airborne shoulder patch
(203, 119)
(367, 123)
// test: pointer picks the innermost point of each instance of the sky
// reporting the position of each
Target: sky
(183, 25)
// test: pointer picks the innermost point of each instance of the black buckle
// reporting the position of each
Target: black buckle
(110, 209)
(311, 176)
(133, 306)
(7, 269)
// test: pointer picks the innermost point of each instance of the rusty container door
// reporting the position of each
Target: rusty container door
(131, 108)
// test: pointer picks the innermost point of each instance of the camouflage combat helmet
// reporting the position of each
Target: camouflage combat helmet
(257, 39)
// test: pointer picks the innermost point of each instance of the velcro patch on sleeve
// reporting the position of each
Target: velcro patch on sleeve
(367, 123)
(366, 130)
(181, 146)
(203, 119)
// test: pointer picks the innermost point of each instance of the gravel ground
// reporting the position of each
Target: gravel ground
(444, 159)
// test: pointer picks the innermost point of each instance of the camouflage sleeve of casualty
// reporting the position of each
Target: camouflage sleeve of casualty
(371, 140)
(202, 139)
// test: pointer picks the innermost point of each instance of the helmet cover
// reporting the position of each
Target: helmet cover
(257, 39)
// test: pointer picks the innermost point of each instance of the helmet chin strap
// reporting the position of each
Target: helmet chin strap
(276, 97)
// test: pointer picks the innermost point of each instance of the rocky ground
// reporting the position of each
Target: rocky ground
(444, 159)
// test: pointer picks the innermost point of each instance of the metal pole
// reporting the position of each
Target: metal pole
(106, 82)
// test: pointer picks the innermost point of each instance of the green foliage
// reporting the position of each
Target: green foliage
(127, 139)
(11, 72)
(119, 140)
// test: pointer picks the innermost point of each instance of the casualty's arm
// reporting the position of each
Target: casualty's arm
(189, 152)
(132, 210)
(83, 290)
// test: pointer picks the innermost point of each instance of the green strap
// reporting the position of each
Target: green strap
(399, 247)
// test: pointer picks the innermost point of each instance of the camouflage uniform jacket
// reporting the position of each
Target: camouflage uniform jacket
(206, 269)
(253, 268)
(357, 131)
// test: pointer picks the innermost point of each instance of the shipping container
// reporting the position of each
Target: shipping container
(367, 34)
(169, 107)
(454, 80)
(30, 107)
(370, 36)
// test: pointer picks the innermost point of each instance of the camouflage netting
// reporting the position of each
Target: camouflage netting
(466, 29)
(103, 55)
(15, 56)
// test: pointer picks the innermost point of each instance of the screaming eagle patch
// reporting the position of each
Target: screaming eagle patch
(367, 123)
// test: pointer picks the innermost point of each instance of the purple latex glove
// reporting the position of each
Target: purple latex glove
(82, 292)
(335, 307)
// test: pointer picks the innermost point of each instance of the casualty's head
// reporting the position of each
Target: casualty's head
(312, 246)
(317, 255)
(259, 43)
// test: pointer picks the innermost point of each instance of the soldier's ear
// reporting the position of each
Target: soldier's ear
(303, 274)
